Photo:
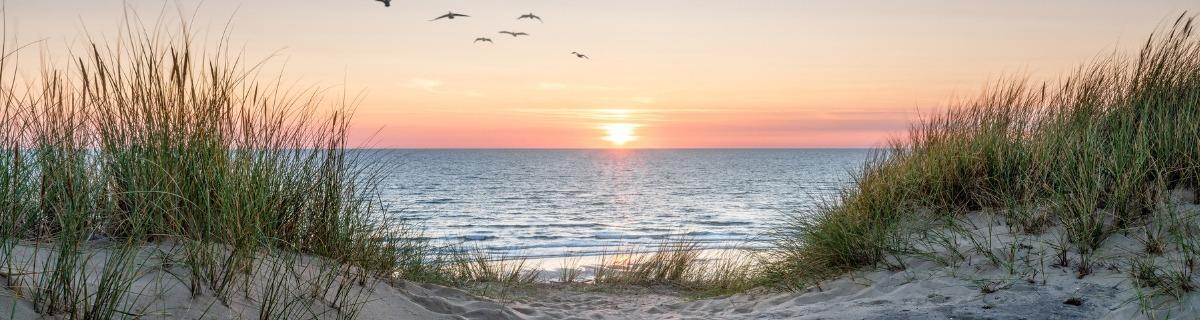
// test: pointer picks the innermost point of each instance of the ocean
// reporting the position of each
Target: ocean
(555, 203)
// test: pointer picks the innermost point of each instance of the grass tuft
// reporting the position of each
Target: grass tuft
(148, 141)
(1094, 155)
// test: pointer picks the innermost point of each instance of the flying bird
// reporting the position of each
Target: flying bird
(530, 16)
(451, 15)
(386, 3)
(488, 40)
(514, 34)
(580, 55)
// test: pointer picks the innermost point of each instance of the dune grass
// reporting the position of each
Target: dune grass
(682, 264)
(145, 140)
(1094, 155)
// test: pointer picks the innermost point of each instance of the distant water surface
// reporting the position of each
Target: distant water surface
(548, 203)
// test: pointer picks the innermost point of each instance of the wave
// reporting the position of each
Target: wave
(551, 245)
(470, 237)
(540, 237)
(617, 235)
(724, 223)
(526, 226)
(436, 201)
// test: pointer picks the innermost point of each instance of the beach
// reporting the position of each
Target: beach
(161, 168)
(1024, 286)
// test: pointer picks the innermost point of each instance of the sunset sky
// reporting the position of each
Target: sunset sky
(662, 73)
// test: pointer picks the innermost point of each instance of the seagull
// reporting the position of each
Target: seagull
(386, 3)
(488, 40)
(530, 16)
(514, 34)
(580, 55)
(451, 15)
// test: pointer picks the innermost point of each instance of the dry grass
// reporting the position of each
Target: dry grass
(682, 264)
(146, 140)
(1094, 154)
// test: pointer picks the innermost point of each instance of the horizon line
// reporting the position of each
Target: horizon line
(601, 148)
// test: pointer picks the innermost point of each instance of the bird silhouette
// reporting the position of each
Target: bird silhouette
(530, 16)
(451, 15)
(386, 3)
(488, 40)
(514, 34)
(580, 55)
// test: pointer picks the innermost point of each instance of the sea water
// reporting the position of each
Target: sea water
(553, 203)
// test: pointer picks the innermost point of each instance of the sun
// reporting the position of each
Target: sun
(619, 133)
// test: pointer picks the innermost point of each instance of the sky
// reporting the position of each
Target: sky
(661, 74)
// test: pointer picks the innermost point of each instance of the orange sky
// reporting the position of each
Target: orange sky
(677, 73)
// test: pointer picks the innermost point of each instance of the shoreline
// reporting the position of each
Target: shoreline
(550, 269)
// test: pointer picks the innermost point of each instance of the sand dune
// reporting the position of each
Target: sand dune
(1026, 284)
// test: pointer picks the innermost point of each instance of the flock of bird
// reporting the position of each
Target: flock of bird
(451, 16)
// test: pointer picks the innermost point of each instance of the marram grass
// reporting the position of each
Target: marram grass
(147, 141)
(1094, 154)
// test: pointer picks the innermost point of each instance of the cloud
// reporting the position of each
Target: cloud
(435, 86)
(800, 122)
(609, 114)
(585, 87)
(738, 119)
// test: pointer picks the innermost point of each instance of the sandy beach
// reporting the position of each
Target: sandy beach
(973, 287)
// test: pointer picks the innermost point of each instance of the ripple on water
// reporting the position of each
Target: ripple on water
(436, 201)
(555, 202)
(724, 223)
